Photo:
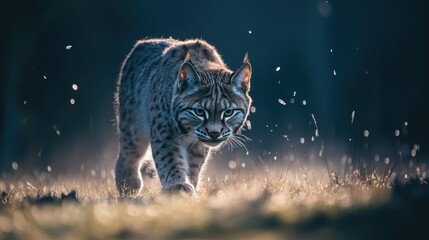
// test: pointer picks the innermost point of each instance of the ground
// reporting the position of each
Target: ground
(265, 205)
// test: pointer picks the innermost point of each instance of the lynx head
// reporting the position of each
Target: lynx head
(212, 105)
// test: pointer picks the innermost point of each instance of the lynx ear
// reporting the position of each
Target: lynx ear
(241, 77)
(187, 76)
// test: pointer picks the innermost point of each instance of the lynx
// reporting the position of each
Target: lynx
(180, 98)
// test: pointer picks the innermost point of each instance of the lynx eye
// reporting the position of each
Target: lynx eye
(228, 112)
(200, 112)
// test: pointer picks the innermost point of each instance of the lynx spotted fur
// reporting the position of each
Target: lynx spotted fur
(181, 99)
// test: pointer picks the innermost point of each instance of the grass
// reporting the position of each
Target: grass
(264, 205)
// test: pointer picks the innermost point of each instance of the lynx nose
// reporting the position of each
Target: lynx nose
(214, 135)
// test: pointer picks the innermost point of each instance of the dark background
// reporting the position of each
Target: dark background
(380, 54)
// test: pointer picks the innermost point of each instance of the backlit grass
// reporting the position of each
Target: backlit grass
(266, 205)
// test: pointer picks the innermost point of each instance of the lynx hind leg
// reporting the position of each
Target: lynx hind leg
(127, 170)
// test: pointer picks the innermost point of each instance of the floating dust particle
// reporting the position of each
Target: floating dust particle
(366, 133)
(57, 131)
(75, 87)
(248, 124)
(49, 168)
(316, 133)
(397, 133)
(386, 160)
(72, 101)
(40, 152)
(277, 69)
(335, 73)
(376, 157)
(281, 101)
(232, 164)
(15, 166)
(68, 47)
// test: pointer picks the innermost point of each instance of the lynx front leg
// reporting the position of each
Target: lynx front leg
(170, 162)
(197, 157)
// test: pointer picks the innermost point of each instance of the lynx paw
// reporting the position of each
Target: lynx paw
(148, 169)
(130, 185)
(181, 187)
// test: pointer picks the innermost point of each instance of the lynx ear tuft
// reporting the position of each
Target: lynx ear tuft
(187, 76)
(246, 58)
(241, 77)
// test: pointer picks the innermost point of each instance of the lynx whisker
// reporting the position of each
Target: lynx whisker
(244, 137)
